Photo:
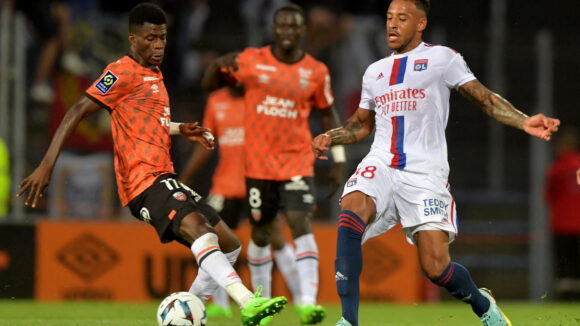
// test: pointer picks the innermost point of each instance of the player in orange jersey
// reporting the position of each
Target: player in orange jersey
(282, 84)
(224, 115)
(133, 92)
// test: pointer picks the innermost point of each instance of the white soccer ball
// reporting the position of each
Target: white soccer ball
(208, 136)
(181, 309)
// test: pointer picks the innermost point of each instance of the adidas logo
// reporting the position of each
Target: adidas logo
(340, 277)
(380, 76)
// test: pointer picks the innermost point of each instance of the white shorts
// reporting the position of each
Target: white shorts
(417, 201)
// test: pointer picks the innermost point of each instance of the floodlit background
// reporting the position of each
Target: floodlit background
(525, 50)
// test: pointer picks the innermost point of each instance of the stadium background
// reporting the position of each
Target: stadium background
(526, 51)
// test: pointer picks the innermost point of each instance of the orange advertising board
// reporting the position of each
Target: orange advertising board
(126, 261)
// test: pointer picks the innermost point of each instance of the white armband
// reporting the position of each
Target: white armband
(338, 153)
(174, 128)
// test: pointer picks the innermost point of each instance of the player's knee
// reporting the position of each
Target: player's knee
(300, 223)
(433, 266)
(360, 204)
(278, 242)
(261, 235)
(193, 226)
(229, 242)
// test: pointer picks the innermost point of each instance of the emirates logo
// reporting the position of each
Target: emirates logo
(88, 257)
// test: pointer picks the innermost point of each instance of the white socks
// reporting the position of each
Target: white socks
(260, 263)
(214, 266)
(221, 298)
(286, 261)
(307, 265)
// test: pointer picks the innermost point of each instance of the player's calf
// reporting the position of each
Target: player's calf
(348, 264)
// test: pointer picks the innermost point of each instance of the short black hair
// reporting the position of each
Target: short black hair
(424, 5)
(146, 13)
(290, 7)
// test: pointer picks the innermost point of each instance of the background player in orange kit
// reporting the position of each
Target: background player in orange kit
(282, 84)
(224, 115)
(133, 92)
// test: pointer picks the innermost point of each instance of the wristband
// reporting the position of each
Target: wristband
(338, 153)
(174, 128)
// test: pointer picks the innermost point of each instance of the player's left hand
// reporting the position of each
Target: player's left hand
(335, 176)
(320, 145)
(541, 126)
(578, 177)
(35, 183)
(195, 132)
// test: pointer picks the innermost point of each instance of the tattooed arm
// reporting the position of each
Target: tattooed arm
(357, 127)
(503, 111)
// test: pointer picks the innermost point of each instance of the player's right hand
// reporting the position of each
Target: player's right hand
(320, 145)
(228, 61)
(36, 183)
(541, 126)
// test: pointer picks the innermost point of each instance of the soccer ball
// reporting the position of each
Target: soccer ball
(181, 309)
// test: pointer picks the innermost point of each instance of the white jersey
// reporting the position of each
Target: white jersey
(409, 93)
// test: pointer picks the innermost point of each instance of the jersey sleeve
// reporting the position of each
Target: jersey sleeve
(111, 87)
(366, 98)
(323, 97)
(457, 72)
(209, 116)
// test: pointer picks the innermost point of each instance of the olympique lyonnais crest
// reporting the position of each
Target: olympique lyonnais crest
(420, 64)
(351, 182)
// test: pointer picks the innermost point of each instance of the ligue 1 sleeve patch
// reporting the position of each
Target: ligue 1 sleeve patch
(106, 82)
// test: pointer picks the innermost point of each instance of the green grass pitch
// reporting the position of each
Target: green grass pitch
(30, 313)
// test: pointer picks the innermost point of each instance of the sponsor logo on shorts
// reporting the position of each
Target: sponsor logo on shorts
(351, 182)
(179, 196)
(435, 206)
(296, 184)
(256, 214)
(106, 82)
(197, 197)
(144, 213)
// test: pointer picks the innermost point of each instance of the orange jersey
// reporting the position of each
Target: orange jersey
(224, 115)
(279, 98)
(140, 115)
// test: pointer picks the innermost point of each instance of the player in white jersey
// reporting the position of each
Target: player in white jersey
(403, 179)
